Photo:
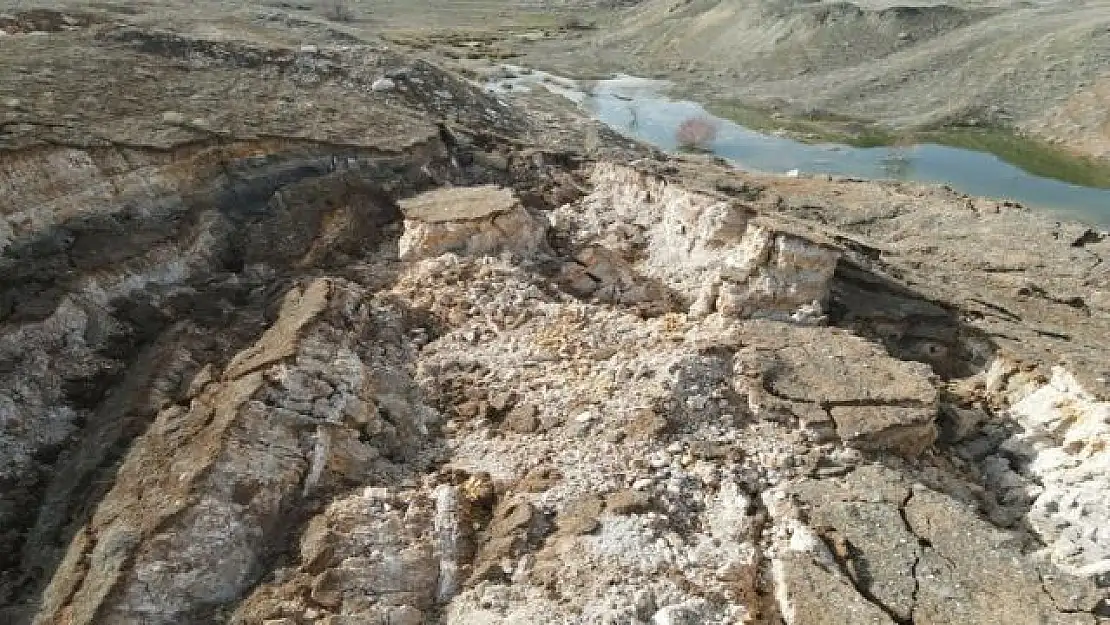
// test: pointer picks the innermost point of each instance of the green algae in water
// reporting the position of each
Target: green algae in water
(1032, 155)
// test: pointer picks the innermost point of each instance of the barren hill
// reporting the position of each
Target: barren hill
(1037, 66)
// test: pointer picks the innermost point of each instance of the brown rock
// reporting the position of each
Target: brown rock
(474, 221)
(500, 402)
(646, 425)
(580, 516)
(972, 572)
(876, 402)
(539, 479)
(522, 419)
(327, 589)
(904, 430)
(707, 450)
(920, 556)
(808, 594)
(628, 501)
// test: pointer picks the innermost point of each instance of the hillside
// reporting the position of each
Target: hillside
(1036, 67)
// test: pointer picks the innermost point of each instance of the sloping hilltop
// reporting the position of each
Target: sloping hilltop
(1035, 67)
(301, 331)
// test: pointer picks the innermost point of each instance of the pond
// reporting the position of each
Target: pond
(636, 107)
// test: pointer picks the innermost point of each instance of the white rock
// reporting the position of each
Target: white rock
(375, 493)
(688, 613)
(383, 84)
(472, 221)
(1072, 513)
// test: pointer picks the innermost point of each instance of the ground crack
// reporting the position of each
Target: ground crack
(1055, 604)
(847, 403)
(922, 544)
(844, 554)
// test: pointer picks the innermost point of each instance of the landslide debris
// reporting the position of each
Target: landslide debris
(304, 346)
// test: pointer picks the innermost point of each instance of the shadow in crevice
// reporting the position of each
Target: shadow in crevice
(241, 239)
(908, 324)
(974, 446)
(245, 231)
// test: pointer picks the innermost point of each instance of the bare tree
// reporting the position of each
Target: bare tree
(696, 133)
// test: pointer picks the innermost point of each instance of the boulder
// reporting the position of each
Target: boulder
(471, 221)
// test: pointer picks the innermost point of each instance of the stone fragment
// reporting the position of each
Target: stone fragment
(647, 424)
(972, 572)
(625, 502)
(916, 555)
(522, 419)
(876, 402)
(471, 221)
(580, 516)
(808, 594)
(327, 590)
(956, 423)
(383, 84)
(904, 430)
(686, 613)
(539, 479)
(877, 549)
(404, 615)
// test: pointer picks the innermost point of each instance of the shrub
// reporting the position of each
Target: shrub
(696, 133)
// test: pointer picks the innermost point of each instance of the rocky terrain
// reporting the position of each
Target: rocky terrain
(296, 328)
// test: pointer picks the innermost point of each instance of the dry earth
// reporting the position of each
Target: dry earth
(295, 328)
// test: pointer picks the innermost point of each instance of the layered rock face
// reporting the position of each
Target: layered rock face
(431, 373)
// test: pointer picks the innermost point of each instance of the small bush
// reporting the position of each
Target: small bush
(696, 133)
(338, 10)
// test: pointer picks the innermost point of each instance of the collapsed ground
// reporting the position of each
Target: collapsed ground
(325, 334)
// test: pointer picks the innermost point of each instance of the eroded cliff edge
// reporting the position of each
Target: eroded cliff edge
(328, 335)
